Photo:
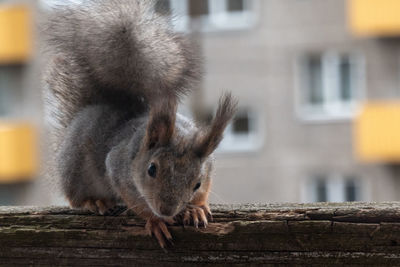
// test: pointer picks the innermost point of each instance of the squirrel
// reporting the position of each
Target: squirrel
(115, 72)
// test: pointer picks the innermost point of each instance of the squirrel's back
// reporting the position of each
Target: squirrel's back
(120, 51)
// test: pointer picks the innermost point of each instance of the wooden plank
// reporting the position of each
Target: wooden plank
(295, 234)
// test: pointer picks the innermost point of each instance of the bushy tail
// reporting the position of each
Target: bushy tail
(113, 51)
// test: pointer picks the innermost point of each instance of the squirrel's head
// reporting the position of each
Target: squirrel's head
(174, 162)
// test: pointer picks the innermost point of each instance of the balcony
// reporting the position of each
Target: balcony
(18, 152)
(15, 34)
(378, 18)
(377, 132)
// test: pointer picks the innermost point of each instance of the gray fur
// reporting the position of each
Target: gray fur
(115, 72)
(106, 153)
(102, 155)
(82, 155)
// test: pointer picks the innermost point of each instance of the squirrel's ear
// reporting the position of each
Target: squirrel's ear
(161, 124)
(208, 142)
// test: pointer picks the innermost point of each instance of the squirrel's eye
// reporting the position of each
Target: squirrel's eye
(152, 170)
(197, 186)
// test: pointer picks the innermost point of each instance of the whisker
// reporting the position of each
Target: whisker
(217, 196)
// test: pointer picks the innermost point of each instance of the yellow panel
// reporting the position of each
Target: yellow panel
(377, 132)
(18, 152)
(15, 34)
(374, 17)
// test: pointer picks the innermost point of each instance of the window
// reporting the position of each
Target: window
(332, 188)
(345, 87)
(198, 8)
(163, 7)
(351, 190)
(235, 5)
(314, 79)
(242, 134)
(11, 88)
(330, 85)
(320, 190)
(207, 15)
(241, 124)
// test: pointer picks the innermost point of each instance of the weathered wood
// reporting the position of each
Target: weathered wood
(275, 234)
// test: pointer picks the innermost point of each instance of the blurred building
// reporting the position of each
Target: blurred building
(317, 83)
(19, 103)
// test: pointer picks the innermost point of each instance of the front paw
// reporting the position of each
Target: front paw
(157, 227)
(101, 207)
(195, 215)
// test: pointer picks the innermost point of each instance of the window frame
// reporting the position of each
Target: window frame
(333, 108)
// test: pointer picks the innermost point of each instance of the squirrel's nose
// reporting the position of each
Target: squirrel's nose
(166, 210)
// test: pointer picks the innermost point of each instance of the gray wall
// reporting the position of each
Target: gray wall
(258, 65)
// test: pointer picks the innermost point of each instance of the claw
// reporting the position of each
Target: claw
(186, 218)
(198, 215)
(158, 228)
(211, 217)
(195, 219)
(165, 231)
(159, 237)
(208, 212)
(203, 217)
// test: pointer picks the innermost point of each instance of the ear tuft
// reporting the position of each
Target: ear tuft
(209, 141)
(161, 124)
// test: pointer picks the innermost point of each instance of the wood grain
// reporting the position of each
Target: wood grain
(274, 234)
